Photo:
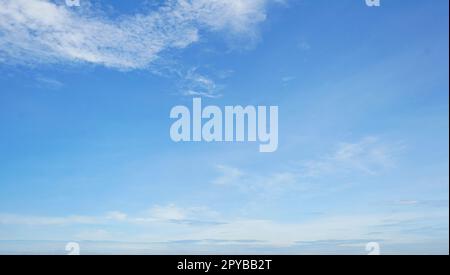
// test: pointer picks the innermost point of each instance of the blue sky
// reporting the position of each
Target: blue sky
(85, 151)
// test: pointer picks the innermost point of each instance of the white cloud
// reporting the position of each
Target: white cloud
(334, 227)
(116, 215)
(258, 187)
(368, 156)
(157, 214)
(172, 213)
(233, 176)
(196, 84)
(166, 224)
(169, 212)
(238, 16)
(42, 32)
(44, 220)
(228, 175)
(48, 83)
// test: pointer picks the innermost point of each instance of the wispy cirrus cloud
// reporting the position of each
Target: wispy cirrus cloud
(257, 186)
(368, 155)
(197, 84)
(228, 175)
(37, 32)
(48, 83)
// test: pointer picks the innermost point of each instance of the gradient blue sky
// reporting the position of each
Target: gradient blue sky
(85, 151)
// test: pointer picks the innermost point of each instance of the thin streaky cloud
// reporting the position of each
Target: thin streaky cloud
(370, 155)
(171, 222)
